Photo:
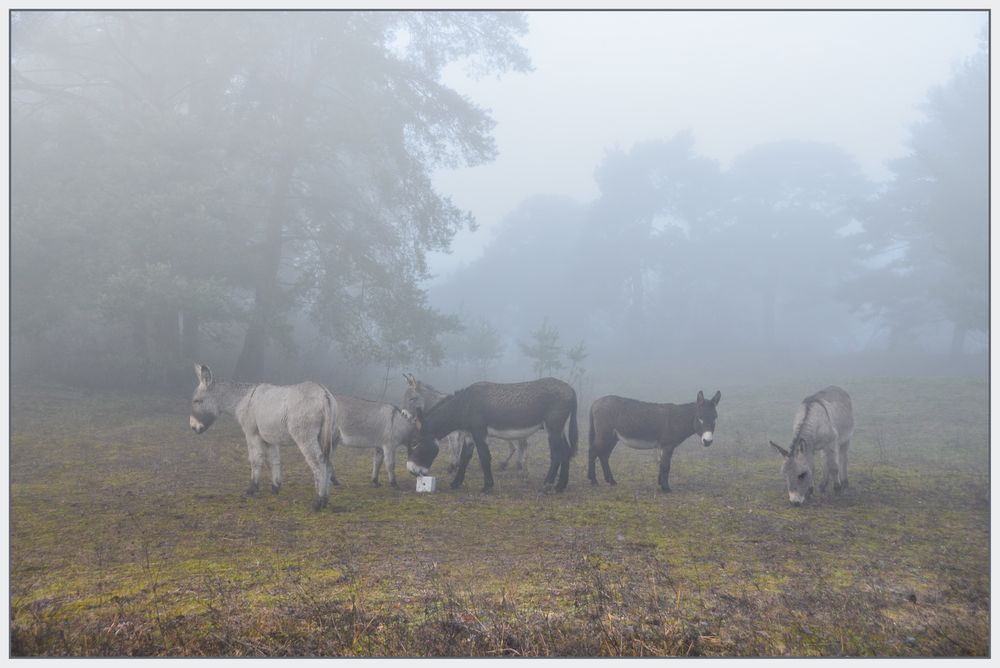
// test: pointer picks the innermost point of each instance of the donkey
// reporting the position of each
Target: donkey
(644, 426)
(271, 416)
(420, 396)
(360, 423)
(509, 411)
(824, 421)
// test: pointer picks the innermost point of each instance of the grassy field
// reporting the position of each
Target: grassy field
(130, 536)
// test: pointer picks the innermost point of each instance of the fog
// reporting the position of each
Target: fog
(644, 203)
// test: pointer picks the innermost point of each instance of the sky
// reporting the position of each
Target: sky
(607, 80)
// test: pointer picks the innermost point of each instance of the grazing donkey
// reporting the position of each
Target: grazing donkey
(824, 421)
(271, 416)
(420, 397)
(359, 423)
(509, 411)
(644, 426)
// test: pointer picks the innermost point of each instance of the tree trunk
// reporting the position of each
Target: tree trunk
(266, 292)
(250, 363)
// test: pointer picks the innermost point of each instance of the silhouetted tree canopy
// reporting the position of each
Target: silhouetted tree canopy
(239, 167)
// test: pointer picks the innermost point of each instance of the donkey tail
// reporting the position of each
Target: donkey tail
(574, 435)
(593, 432)
(326, 430)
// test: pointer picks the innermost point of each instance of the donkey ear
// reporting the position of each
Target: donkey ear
(716, 398)
(409, 379)
(784, 453)
(701, 397)
(204, 374)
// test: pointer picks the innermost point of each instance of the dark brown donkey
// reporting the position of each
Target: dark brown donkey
(644, 426)
(509, 411)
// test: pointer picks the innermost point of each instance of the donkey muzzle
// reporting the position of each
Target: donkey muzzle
(706, 439)
(416, 470)
(196, 425)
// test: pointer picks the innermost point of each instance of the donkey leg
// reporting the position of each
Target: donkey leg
(827, 470)
(320, 464)
(463, 462)
(522, 454)
(666, 454)
(843, 463)
(592, 455)
(484, 459)
(454, 442)
(602, 451)
(274, 461)
(550, 476)
(563, 468)
(256, 449)
(511, 449)
(333, 475)
(390, 464)
(833, 463)
(376, 465)
(606, 468)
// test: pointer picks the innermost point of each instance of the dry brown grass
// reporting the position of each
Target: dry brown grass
(129, 536)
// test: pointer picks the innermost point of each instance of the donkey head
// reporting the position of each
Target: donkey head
(204, 404)
(420, 454)
(705, 416)
(797, 470)
(413, 398)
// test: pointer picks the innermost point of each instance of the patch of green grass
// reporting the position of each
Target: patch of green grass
(131, 535)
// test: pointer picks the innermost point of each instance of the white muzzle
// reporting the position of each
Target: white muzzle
(417, 470)
(197, 426)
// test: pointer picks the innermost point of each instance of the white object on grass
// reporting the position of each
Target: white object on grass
(426, 483)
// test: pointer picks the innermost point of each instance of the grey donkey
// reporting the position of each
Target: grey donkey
(271, 416)
(360, 423)
(824, 421)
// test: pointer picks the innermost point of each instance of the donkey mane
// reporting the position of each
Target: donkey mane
(236, 384)
(799, 441)
(446, 399)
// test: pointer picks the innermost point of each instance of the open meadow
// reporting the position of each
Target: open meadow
(130, 535)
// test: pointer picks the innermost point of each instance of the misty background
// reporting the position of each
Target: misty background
(641, 203)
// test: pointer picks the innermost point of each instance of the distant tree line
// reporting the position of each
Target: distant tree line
(254, 184)
(791, 248)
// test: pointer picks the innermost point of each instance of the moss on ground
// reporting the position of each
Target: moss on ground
(131, 535)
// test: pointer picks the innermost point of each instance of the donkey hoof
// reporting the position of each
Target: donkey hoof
(665, 489)
(502, 466)
(487, 489)
(837, 488)
(275, 488)
(612, 481)
(376, 483)
(393, 485)
(252, 489)
(334, 481)
(455, 484)
(593, 481)
(319, 504)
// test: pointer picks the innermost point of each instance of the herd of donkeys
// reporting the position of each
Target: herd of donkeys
(317, 421)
